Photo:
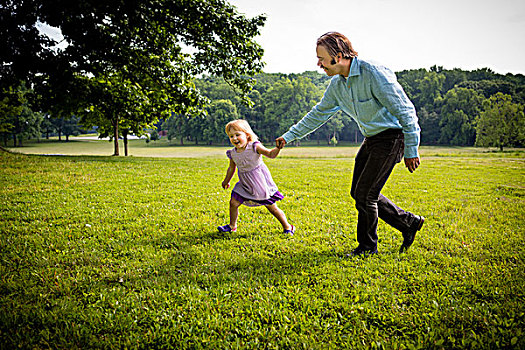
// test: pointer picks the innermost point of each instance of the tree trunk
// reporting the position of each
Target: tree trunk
(115, 137)
(125, 139)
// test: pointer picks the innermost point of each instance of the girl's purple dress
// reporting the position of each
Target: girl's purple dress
(255, 186)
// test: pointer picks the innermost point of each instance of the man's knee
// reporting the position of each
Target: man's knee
(360, 195)
(365, 199)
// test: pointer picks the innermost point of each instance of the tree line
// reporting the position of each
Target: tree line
(455, 107)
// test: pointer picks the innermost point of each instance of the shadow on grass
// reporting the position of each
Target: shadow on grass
(203, 261)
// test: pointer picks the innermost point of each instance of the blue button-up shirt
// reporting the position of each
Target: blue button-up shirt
(370, 95)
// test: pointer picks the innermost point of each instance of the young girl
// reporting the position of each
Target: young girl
(255, 186)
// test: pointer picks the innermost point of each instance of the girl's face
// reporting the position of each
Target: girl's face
(238, 138)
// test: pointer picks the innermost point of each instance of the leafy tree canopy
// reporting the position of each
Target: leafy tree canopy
(501, 124)
(120, 35)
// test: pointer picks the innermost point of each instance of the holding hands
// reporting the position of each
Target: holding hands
(280, 142)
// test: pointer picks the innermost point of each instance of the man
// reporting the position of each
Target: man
(371, 95)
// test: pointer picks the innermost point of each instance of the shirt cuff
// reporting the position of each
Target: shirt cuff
(288, 137)
(411, 152)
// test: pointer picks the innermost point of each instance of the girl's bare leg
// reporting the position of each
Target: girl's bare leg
(279, 214)
(234, 212)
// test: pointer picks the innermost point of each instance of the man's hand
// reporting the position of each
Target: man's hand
(412, 164)
(280, 142)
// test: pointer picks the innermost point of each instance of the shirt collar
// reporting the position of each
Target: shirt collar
(354, 68)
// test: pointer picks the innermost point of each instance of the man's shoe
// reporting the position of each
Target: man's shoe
(409, 236)
(360, 251)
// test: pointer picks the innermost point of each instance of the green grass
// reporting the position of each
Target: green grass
(164, 148)
(115, 252)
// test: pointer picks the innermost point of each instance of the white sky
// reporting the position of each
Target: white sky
(402, 34)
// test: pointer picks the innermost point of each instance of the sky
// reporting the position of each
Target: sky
(401, 34)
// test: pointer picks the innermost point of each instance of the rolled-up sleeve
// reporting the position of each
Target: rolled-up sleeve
(391, 95)
(317, 116)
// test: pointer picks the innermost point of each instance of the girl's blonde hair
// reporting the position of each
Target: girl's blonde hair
(242, 125)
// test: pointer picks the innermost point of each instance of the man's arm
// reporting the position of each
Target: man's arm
(391, 95)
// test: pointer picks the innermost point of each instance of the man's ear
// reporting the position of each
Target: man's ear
(337, 58)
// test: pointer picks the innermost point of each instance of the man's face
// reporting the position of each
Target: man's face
(324, 61)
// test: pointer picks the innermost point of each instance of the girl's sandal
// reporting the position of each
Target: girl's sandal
(290, 231)
(226, 228)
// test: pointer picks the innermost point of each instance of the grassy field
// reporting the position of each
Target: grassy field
(80, 146)
(115, 252)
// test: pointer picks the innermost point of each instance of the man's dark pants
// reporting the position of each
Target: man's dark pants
(373, 165)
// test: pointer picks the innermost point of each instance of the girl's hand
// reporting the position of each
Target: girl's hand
(225, 185)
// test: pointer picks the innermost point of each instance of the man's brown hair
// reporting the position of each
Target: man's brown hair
(335, 43)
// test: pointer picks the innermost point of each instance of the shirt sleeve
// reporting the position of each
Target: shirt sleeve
(317, 116)
(391, 95)
(229, 153)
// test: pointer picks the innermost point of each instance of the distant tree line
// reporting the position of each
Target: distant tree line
(455, 107)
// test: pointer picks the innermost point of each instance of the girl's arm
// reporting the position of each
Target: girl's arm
(270, 153)
(229, 174)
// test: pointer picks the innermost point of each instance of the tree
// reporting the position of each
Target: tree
(430, 128)
(220, 112)
(458, 114)
(452, 78)
(430, 90)
(17, 119)
(501, 123)
(286, 102)
(118, 106)
(135, 43)
(176, 126)
(71, 127)
(64, 126)
(330, 132)
(11, 105)
(490, 87)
